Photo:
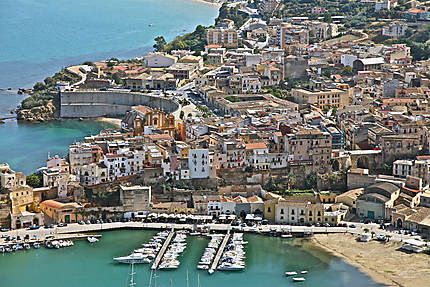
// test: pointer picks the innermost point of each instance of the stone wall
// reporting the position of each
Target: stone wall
(88, 104)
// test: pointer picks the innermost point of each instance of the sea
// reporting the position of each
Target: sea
(267, 260)
(39, 37)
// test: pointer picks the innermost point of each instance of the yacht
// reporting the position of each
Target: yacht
(36, 245)
(133, 258)
(290, 273)
(298, 279)
(304, 272)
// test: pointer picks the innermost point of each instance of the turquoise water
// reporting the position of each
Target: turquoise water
(91, 265)
(38, 37)
(41, 36)
(25, 146)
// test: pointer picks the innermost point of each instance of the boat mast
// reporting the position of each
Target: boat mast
(132, 276)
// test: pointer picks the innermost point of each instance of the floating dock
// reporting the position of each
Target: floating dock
(219, 253)
(162, 250)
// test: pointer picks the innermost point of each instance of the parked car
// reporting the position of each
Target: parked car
(87, 222)
(60, 224)
(352, 226)
(81, 222)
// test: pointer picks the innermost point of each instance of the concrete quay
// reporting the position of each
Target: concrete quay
(219, 253)
(162, 250)
(42, 233)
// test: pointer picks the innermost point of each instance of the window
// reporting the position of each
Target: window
(310, 212)
(292, 212)
(282, 211)
(268, 209)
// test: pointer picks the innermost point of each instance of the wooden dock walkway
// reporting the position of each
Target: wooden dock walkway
(219, 253)
(162, 250)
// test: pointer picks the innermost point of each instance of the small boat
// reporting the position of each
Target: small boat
(27, 246)
(298, 279)
(195, 233)
(304, 272)
(203, 267)
(92, 239)
(150, 25)
(36, 245)
(286, 235)
(291, 273)
(211, 271)
(2, 249)
(34, 227)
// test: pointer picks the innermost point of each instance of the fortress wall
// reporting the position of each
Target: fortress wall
(85, 104)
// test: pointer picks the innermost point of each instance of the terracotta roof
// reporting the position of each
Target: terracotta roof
(255, 146)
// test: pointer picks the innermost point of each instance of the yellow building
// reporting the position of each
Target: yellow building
(328, 98)
(21, 198)
(172, 207)
(270, 208)
(65, 212)
(142, 116)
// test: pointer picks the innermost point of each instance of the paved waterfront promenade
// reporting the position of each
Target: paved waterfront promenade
(95, 228)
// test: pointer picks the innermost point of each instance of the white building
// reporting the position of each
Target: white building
(92, 174)
(198, 163)
(81, 154)
(159, 60)
(395, 30)
(10, 178)
(257, 155)
(403, 168)
(348, 60)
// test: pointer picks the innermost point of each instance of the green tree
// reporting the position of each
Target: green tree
(33, 180)
(39, 86)
(49, 81)
(117, 78)
(160, 43)
(311, 181)
(346, 71)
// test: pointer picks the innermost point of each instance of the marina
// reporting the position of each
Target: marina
(267, 258)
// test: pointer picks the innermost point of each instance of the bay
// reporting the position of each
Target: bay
(39, 37)
(91, 265)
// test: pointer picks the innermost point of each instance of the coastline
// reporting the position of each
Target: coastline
(209, 3)
(383, 262)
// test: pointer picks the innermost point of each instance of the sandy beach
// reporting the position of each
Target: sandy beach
(209, 3)
(113, 121)
(384, 262)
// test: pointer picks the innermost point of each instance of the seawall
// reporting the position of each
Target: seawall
(90, 104)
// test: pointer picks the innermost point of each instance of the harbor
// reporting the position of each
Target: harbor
(267, 259)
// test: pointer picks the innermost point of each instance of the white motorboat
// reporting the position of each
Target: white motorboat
(211, 271)
(195, 233)
(286, 235)
(36, 245)
(304, 272)
(298, 279)
(134, 258)
(291, 273)
(203, 267)
(92, 239)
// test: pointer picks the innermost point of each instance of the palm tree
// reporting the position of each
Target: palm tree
(366, 230)
(373, 233)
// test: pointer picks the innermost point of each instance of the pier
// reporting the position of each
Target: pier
(162, 250)
(219, 253)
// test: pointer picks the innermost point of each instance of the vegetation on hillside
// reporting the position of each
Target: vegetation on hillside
(42, 90)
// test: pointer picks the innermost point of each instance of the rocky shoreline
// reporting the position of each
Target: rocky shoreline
(37, 114)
